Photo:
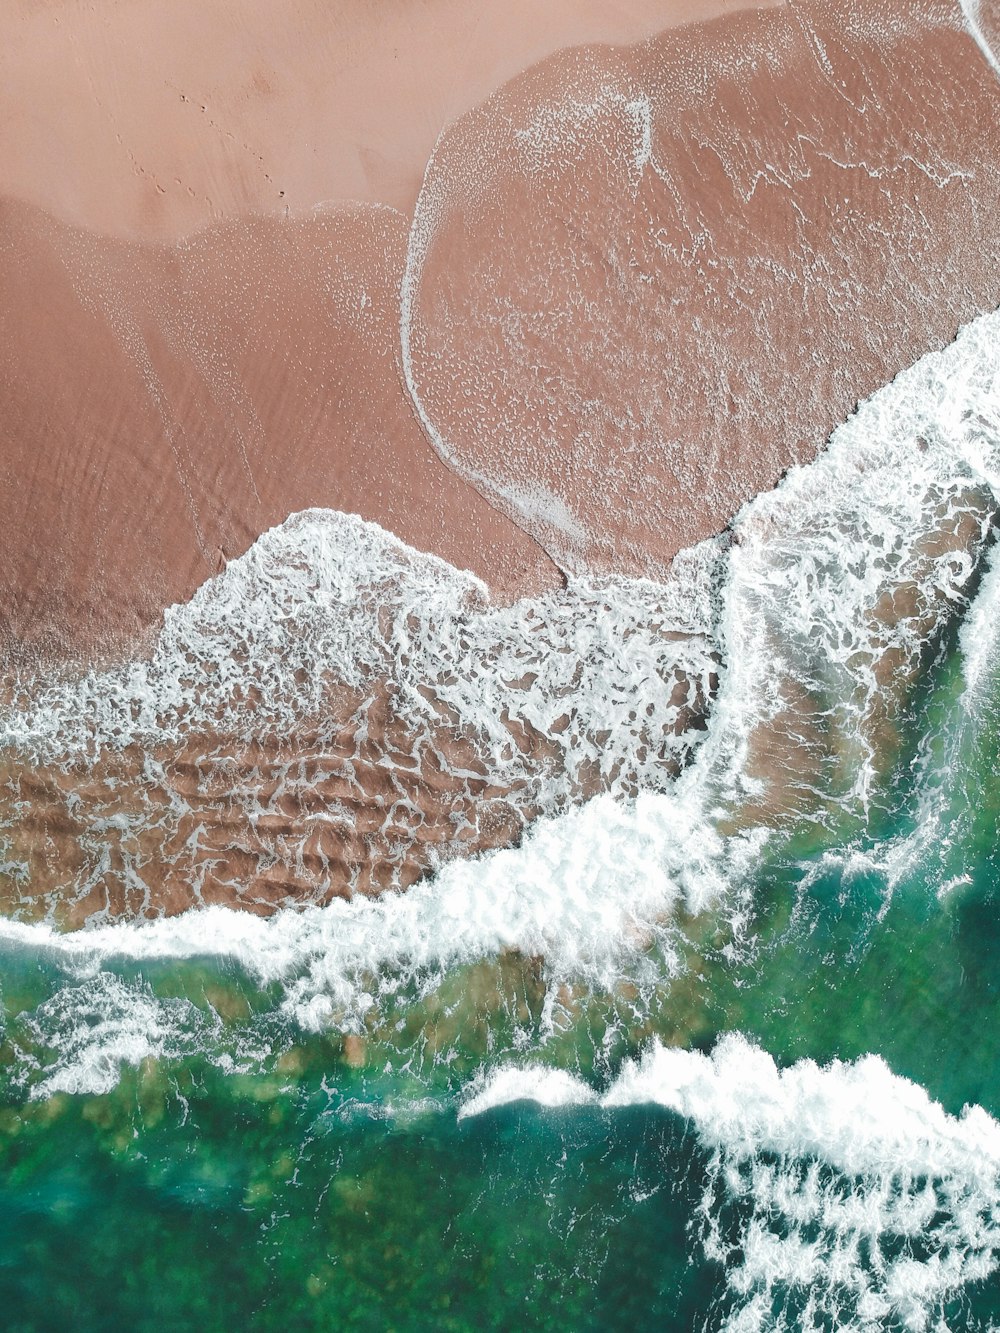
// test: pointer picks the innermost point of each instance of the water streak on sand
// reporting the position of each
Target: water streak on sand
(762, 692)
(623, 314)
(613, 292)
(822, 607)
(383, 847)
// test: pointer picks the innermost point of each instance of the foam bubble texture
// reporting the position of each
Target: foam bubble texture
(840, 582)
(839, 1194)
(327, 598)
(589, 892)
(835, 1197)
(84, 1034)
(337, 712)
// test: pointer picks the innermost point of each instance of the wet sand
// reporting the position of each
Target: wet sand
(164, 405)
(645, 282)
(190, 350)
(360, 799)
(639, 282)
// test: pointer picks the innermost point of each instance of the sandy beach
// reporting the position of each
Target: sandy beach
(499, 666)
(646, 270)
(150, 120)
(164, 405)
(204, 234)
(204, 226)
(644, 282)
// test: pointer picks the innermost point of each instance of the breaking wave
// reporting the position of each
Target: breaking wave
(653, 745)
(835, 1197)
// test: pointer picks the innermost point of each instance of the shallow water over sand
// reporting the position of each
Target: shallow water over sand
(583, 1079)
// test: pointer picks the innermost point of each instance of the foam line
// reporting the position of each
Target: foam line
(841, 1193)
(804, 601)
(586, 891)
(970, 13)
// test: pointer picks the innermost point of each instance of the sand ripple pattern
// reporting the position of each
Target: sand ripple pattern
(339, 713)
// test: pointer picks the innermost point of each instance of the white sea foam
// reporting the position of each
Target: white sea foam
(332, 668)
(85, 1034)
(587, 891)
(858, 1117)
(329, 599)
(972, 17)
(545, 1087)
(844, 1190)
(840, 1193)
(980, 636)
(803, 591)
(842, 575)
(948, 771)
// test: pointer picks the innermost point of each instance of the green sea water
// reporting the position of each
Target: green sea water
(723, 1056)
(250, 1175)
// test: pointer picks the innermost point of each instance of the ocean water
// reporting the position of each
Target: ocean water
(709, 1041)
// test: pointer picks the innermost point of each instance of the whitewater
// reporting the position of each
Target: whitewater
(690, 766)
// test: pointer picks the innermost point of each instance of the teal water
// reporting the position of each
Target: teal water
(251, 1175)
(719, 1056)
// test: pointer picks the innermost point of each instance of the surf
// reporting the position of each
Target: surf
(717, 776)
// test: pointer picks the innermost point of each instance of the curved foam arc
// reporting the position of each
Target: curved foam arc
(477, 323)
(970, 13)
(556, 134)
(553, 134)
(588, 890)
(421, 230)
(809, 604)
(528, 503)
(328, 599)
(842, 1192)
(376, 667)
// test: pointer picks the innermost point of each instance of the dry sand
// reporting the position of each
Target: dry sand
(164, 405)
(614, 359)
(152, 118)
(165, 395)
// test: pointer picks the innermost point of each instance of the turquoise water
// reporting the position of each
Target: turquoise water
(250, 1174)
(722, 1056)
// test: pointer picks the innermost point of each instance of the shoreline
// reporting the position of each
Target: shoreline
(560, 397)
(158, 120)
